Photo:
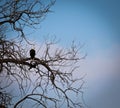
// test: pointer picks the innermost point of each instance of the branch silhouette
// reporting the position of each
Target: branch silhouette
(44, 78)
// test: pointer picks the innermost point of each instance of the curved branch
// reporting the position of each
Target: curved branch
(24, 62)
(29, 96)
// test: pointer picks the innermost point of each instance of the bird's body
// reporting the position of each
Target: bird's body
(33, 62)
(32, 53)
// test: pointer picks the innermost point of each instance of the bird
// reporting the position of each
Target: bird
(32, 53)
(32, 56)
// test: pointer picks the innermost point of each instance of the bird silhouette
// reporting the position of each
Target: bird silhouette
(32, 56)
(32, 53)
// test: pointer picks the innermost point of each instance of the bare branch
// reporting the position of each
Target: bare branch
(45, 80)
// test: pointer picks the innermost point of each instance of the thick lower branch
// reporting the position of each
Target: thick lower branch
(16, 61)
(25, 62)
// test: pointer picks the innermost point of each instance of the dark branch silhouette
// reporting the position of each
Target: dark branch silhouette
(43, 77)
(54, 69)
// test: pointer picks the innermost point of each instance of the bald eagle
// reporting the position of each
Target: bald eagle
(33, 62)
(32, 53)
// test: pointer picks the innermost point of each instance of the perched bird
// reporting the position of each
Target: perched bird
(33, 62)
(32, 53)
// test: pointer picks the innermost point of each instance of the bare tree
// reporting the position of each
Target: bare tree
(45, 80)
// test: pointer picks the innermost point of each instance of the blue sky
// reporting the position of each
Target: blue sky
(95, 23)
(86, 21)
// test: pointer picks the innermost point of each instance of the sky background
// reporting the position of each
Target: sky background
(95, 23)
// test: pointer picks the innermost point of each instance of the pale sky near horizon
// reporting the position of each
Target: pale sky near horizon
(97, 24)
